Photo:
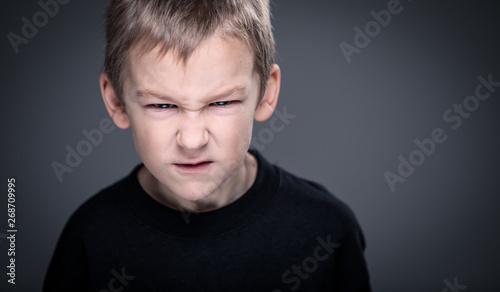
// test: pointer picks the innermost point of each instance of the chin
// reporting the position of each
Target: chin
(195, 192)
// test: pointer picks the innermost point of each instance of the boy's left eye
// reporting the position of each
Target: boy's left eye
(221, 103)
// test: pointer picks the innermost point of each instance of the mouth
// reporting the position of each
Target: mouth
(194, 167)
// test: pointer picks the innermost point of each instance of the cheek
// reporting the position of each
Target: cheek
(234, 132)
(150, 138)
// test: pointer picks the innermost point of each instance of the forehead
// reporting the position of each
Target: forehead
(217, 63)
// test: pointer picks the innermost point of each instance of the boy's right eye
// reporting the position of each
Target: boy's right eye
(163, 105)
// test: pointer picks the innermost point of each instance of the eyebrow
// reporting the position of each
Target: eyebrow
(232, 91)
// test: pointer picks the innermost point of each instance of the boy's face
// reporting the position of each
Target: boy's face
(192, 122)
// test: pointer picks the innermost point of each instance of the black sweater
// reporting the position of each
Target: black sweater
(284, 234)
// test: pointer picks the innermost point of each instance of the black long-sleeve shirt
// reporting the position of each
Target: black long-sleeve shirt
(284, 234)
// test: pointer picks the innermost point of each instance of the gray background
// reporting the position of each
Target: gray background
(352, 122)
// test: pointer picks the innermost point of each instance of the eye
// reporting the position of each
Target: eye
(221, 103)
(163, 105)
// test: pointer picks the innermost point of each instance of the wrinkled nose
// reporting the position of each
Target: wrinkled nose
(192, 135)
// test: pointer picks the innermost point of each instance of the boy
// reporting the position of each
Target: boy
(189, 77)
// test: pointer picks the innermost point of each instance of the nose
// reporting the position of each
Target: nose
(192, 134)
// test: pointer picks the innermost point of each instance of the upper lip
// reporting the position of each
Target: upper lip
(192, 163)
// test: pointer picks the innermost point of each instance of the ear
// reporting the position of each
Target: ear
(112, 102)
(268, 103)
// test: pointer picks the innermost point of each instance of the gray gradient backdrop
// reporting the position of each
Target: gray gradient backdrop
(352, 122)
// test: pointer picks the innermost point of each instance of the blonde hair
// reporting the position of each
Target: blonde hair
(141, 25)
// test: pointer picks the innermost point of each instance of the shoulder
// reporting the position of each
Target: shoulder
(314, 203)
(103, 208)
(310, 191)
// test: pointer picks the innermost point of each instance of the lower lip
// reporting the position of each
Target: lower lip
(194, 168)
